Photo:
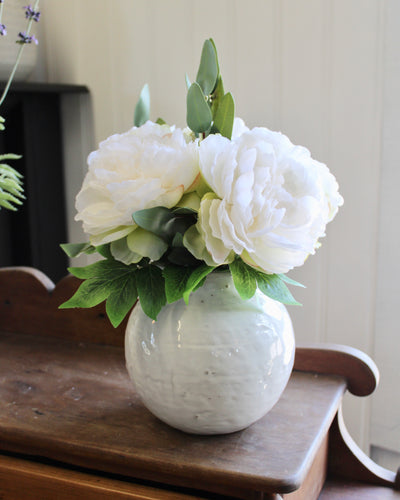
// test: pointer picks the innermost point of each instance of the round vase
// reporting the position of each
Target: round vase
(214, 366)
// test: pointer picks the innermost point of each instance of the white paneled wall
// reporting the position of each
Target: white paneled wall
(314, 69)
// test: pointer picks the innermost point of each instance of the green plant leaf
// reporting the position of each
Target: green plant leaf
(224, 116)
(151, 289)
(10, 156)
(288, 280)
(208, 70)
(90, 293)
(273, 286)
(103, 269)
(142, 109)
(146, 244)
(198, 114)
(195, 279)
(164, 222)
(121, 299)
(122, 253)
(160, 121)
(217, 95)
(244, 279)
(75, 249)
(176, 278)
(105, 250)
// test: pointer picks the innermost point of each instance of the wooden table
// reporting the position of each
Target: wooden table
(71, 425)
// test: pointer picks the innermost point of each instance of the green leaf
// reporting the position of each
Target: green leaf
(122, 253)
(75, 249)
(217, 95)
(285, 278)
(160, 121)
(142, 109)
(146, 244)
(198, 114)
(244, 279)
(105, 250)
(164, 222)
(10, 156)
(224, 116)
(104, 269)
(208, 70)
(89, 294)
(273, 286)
(176, 278)
(151, 289)
(121, 299)
(195, 278)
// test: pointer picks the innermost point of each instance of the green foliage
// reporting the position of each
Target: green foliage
(151, 290)
(209, 109)
(208, 70)
(165, 222)
(199, 116)
(224, 116)
(246, 280)
(11, 190)
(142, 109)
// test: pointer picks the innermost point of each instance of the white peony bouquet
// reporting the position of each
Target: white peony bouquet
(166, 206)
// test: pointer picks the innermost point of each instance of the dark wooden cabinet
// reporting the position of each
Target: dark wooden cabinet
(31, 236)
(72, 426)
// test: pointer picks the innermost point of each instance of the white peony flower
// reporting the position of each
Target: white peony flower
(272, 200)
(149, 166)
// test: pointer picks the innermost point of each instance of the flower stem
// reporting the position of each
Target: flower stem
(21, 48)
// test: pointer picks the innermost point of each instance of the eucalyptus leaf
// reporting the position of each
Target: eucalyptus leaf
(217, 95)
(164, 222)
(151, 289)
(208, 70)
(199, 116)
(244, 279)
(224, 116)
(142, 109)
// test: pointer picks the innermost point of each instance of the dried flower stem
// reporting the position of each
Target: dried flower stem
(21, 48)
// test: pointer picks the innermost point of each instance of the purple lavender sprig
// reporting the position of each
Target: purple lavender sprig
(3, 30)
(30, 13)
(25, 38)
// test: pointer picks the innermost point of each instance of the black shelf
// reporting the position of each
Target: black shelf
(31, 236)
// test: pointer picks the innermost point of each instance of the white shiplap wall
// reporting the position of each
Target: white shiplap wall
(314, 69)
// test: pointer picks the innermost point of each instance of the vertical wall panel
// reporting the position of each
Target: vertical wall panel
(311, 69)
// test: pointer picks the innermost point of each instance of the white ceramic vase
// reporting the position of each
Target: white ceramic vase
(215, 366)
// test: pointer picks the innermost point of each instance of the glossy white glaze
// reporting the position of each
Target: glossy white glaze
(214, 366)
